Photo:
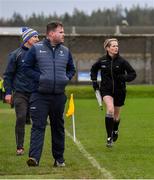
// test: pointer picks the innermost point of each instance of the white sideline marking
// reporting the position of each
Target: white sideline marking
(91, 159)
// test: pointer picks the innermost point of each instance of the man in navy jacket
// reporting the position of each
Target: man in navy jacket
(15, 82)
(49, 63)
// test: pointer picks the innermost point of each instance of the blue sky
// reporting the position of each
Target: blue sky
(27, 7)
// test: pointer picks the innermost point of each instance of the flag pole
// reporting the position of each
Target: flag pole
(73, 120)
(99, 99)
(70, 112)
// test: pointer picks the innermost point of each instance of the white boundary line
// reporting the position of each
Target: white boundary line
(91, 159)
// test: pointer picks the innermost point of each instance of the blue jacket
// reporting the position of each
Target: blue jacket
(14, 76)
(50, 68)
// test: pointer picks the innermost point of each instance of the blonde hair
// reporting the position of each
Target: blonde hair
(107, 42)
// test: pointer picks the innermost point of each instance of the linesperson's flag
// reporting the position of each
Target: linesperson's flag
(70, 112)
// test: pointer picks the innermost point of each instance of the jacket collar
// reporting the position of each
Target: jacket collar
(110, 58)
(48, 43)
(24, 47)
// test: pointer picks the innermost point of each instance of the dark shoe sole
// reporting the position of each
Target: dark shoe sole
(32, 162)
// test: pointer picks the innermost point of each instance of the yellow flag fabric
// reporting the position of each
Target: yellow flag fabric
(1, 84)
(71, 108)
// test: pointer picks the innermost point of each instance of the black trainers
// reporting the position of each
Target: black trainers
(115, 135)
(59, 164)
(109, 142)
(32, 162)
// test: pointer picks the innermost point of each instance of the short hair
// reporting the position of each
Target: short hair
(107, 42)
(53, 25)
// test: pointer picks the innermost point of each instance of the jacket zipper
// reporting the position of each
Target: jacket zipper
(54, 70)
(112, 76)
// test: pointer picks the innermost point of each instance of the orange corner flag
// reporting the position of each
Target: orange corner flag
(71, 108)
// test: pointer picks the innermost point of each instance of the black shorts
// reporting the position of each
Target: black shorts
(118, 96)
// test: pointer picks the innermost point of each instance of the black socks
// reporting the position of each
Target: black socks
(116, 125)
(109, 125)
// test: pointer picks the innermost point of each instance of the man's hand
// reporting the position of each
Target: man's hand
(8, 99)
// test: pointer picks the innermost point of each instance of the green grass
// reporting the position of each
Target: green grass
(130, 157)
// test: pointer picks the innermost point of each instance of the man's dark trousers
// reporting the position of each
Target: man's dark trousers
(42, 106)
(21, 102)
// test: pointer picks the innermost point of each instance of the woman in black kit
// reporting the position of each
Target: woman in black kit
(115, 72)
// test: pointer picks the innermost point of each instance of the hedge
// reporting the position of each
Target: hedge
(133, 91)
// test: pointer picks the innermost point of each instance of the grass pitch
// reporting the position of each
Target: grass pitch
(132, 156)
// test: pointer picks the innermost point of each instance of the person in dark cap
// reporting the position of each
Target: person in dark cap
(18, 87)
(115, 72)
